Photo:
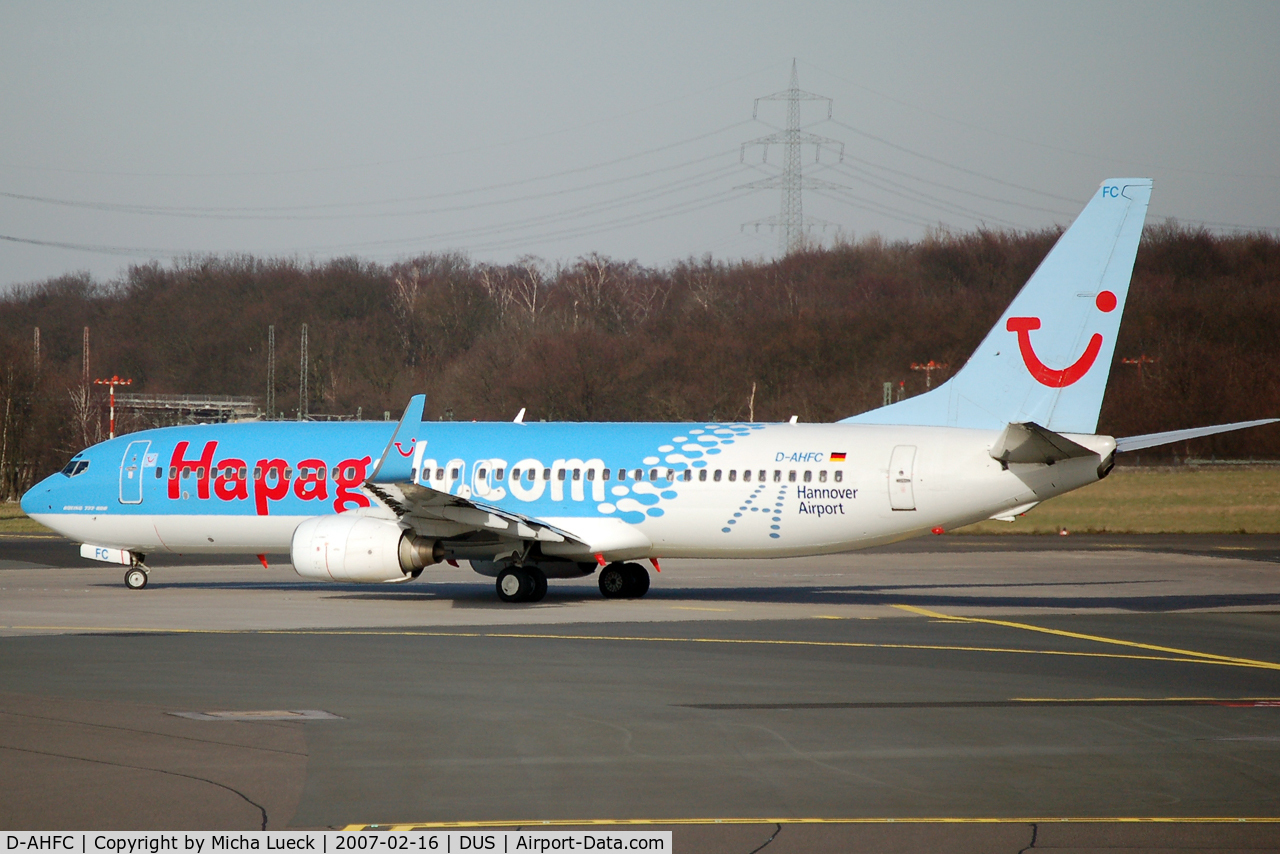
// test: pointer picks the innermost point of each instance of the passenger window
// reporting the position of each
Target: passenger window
(159, 472)
(426, 473)
(746, 475)
(515, 474)
(577, 474)
(546, 474)
(257, 472)
(531, 475)
(559, 474)
(702, 474)
(453, 473)
(439, 474)
(499, 473)
(604, 474)
(243, 470)
(622, 474)
(822, 476)
(777, 476)
(591, 474)
(839, 476)
(639, 475)
(763, 475)
(186, 472)
(173, 472)
(686, 475)
(480, 475)
(791, 476)
(733, 475)
(716, 476)
(288, 473)
(808, 476)
(671, 475)
(320, 472)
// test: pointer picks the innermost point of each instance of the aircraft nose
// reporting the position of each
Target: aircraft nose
(39, 498)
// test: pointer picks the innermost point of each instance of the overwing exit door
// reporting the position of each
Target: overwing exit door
(131, 472)
(901, 464)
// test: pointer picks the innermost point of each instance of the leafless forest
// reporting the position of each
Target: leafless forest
(816, 334)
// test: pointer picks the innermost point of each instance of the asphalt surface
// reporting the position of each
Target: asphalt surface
(954, 693)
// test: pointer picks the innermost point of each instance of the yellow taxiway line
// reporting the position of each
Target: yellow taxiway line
(1169, 650)
(1173, 655)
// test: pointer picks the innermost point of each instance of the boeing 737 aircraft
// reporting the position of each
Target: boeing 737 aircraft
(381, 502)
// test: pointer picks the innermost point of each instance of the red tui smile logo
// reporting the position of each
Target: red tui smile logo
(1024, 326)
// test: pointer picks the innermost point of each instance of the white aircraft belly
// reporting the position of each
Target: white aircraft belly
(204, 534)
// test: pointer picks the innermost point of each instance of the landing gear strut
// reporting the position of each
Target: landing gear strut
(521, 584)
(624, 581)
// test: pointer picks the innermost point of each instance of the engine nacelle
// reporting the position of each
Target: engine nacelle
(360, 548)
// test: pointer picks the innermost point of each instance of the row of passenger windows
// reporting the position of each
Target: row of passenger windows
(231, 472)
(530, 475)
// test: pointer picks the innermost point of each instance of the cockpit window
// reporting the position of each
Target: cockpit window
(75, 467)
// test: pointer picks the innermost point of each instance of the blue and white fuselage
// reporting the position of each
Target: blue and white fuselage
(628, 490)
(382, 501)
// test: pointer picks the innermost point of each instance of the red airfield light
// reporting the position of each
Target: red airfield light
(929, 367)
(113, 382)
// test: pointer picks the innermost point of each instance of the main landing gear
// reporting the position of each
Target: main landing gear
(136, 576)
(522, 584)
(624, 581)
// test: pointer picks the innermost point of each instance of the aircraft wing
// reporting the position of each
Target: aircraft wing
(443, 514)
(436, 513)
(1154, 440)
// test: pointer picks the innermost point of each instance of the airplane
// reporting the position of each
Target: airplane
(525, 502)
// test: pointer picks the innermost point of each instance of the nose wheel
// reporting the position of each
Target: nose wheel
(135, 578)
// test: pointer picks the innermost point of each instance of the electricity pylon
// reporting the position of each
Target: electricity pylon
(791, 220)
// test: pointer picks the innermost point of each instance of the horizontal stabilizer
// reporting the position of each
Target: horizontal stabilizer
(1028, 442)
(1154, 440)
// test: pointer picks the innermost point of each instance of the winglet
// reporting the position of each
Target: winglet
(519, 419)
(395, 464)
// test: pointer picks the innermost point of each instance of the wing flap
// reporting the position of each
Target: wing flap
(413, 501)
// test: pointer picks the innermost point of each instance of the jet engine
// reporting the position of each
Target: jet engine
(360, 548)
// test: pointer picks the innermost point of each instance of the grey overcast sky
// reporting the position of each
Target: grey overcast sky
(134, 130)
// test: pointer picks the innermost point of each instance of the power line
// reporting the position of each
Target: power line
(1047, 146)
(395, 161)
(244, 212)
(941, 162)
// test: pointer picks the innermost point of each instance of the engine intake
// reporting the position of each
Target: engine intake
(360, 549)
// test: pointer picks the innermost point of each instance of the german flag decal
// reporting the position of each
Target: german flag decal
(836, 458)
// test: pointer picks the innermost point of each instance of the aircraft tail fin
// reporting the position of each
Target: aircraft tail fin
(1048, 358)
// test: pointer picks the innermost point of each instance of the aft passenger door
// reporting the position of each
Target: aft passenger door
(131, 472)
(901, 494)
